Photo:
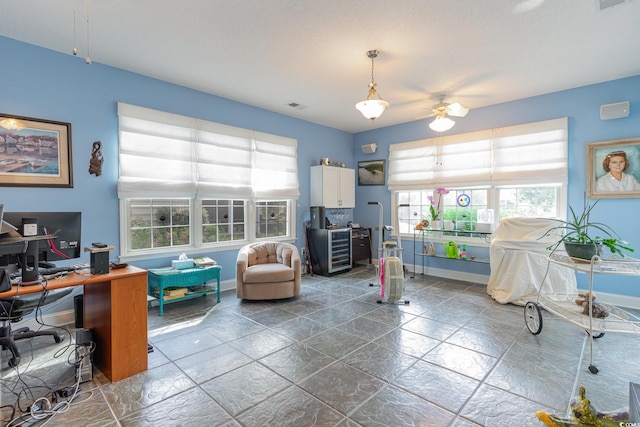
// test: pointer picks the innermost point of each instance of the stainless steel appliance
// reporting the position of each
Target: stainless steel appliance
(330, 250)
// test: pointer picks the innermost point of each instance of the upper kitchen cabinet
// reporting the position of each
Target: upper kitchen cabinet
(333, 187)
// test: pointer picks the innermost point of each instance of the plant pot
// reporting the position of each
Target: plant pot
(584, 251)
(435, 224)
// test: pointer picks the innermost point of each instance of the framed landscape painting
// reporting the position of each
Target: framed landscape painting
(371, 172)
(613, 169)
(35, 152)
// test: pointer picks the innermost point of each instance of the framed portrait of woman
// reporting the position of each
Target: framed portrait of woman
(613, 169)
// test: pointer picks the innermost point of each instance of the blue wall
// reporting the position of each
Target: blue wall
(582, 107)
(45, 84)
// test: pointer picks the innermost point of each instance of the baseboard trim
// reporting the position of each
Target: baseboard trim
(59, 318)
(225, 285)
(617, 300)
(67, 317)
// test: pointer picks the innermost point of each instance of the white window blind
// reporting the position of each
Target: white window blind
(275, 167)
(531, 153)
(168, 155)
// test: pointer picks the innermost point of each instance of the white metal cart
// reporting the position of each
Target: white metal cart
(565, 307)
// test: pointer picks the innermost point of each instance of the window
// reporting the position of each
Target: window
(159, 223)
(242, 183)
(515, 171)
(418, 208)
(272, 218)
(223, 221)
(539, 202)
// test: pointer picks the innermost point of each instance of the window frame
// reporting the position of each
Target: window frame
(493, 202)
(197, 246)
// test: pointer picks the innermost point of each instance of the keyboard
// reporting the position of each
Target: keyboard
(49, 271)
(46, 271)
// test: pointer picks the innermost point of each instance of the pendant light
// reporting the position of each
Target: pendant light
(372, 108)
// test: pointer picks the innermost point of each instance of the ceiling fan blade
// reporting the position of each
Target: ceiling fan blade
(425, 116)
(458, 110)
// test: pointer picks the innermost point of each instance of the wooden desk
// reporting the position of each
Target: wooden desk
(115, 309)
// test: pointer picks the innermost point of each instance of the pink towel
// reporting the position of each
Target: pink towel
(381, 277)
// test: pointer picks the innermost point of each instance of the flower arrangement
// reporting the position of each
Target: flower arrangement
(436, 201)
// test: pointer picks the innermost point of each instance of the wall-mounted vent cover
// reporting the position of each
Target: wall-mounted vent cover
(618, 110)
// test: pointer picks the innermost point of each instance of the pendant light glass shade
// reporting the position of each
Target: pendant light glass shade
(372, 108)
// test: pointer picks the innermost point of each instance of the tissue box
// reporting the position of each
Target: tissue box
(181, 264)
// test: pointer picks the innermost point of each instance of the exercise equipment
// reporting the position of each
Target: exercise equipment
(390, 267)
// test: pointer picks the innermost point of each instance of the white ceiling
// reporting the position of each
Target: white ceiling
(270, 53)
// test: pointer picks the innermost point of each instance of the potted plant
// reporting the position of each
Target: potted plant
(435, 207)
(578, 240)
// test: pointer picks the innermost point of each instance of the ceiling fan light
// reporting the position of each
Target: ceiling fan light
(441, 124)
(457, 109)
(372, 108)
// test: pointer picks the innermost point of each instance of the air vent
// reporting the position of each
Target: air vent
(604, 4)
(296, 105)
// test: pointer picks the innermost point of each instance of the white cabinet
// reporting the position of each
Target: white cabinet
(333, 187)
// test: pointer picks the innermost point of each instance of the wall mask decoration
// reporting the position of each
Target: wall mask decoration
(95, 164)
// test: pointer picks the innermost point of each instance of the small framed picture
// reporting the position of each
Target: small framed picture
(35, 152)
(371, 172)
(613, 169)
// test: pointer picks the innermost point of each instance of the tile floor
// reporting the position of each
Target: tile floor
(452, 357)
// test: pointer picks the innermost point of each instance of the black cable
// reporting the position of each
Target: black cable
(42, 403)
(57, 400)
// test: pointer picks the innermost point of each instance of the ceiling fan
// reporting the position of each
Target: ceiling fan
(443, 109)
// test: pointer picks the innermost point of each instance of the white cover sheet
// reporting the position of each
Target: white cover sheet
(519, 263)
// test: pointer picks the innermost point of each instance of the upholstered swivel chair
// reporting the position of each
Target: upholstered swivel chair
(13, 309)
(268, 270)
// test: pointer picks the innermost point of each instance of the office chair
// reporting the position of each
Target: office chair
(13, 309)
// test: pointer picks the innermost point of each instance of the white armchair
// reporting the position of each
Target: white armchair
(268, 270)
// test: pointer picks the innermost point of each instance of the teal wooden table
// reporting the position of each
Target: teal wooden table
(193, 281)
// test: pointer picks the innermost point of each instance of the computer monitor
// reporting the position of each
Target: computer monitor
(63, 227)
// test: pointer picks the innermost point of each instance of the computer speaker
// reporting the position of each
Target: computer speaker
(369, 148)
(614, 111)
